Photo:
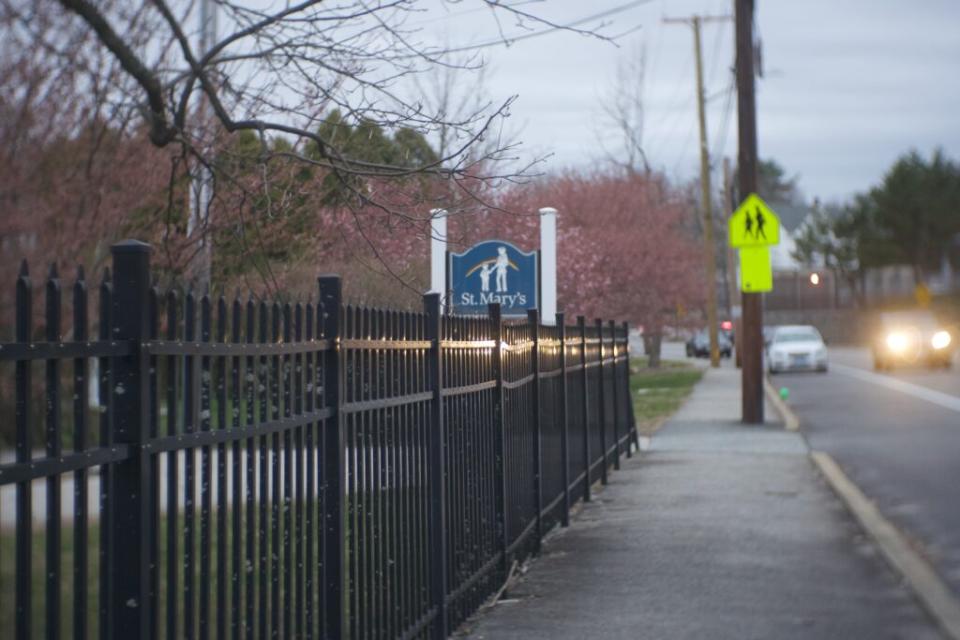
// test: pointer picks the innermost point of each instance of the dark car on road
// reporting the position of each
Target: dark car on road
(698, 346)
(911, 338)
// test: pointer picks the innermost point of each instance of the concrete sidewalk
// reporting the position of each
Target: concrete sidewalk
(719, 531)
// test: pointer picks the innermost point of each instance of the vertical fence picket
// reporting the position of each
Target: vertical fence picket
(311, 535)
(237, 574)
(263, 567)
(329, 306)
(564, 420)
(153, 409)
(220, 388)
(585, 406)
(249, 416)
(106, 439)
(601, 404)
(287, 480)
(173, 472)
(533, 319)
(500, 439)
(206, 478)
(80, 491)
(24, 446)
(614, 376)
(190, 412)
(438, 532)
(389, 466)
(298, 472)
(53, 449)
(372, 428)
(629, 418)
(275, 520)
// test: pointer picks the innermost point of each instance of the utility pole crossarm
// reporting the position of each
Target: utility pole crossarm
(696, 18)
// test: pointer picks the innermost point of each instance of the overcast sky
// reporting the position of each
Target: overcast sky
(848, 85)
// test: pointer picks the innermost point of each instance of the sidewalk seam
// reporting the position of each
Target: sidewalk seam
(935, 596)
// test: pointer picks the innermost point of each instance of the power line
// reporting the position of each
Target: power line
(457, 14)
(677, 113)
(721, 140)
(683, 149)
(505, 41)
(718, 40)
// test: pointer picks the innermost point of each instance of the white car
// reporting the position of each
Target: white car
(796, 348)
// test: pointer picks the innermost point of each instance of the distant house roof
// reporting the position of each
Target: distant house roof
(791, 215)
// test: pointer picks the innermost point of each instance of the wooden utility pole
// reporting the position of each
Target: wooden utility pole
(752, 334)
(709, 259)
(733, 290)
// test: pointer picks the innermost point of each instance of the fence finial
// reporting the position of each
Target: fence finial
(81, 274)
(24, 269)
(54, 274)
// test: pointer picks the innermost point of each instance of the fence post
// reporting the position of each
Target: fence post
(130, 385)
(564, 427)
(329, 308)
(601, 404)
(585, 415)
(500, 436)
(533, 319)
(437, 458)
(616, 399)
(628, 417)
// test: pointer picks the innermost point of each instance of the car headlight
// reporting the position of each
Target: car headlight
(897, 342)
(940, 340)
(821, 353)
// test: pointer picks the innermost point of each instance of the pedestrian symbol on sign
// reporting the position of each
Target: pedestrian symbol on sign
(753, 224)
(760, 222)
(493, 271)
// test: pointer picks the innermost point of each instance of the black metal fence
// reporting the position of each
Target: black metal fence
(255, 470)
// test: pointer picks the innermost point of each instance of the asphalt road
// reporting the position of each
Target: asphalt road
(897, 435)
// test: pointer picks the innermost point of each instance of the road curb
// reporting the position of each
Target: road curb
(790, 420)
(935, 596)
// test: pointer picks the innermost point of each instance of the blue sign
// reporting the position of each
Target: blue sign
(493, 271)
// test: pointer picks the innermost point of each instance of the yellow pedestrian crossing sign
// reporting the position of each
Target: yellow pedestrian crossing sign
(753, 224)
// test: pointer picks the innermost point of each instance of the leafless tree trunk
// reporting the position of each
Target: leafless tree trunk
(653, 350)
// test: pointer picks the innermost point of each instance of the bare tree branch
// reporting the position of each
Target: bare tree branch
(160, 133)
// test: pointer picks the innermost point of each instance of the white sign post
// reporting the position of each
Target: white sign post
(548, 265)
(438, 253)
